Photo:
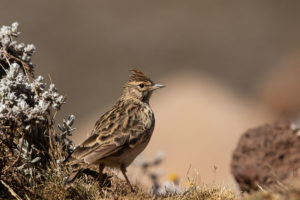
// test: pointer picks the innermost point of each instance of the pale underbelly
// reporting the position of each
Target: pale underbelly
(126, 158)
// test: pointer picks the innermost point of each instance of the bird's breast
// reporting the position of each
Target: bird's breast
(147, 116)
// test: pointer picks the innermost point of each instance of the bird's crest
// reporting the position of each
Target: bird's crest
(138, 75)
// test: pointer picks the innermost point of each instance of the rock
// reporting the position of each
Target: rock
(267, 156)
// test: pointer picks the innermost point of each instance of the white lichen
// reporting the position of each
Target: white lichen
(7, 43)
(23, 101)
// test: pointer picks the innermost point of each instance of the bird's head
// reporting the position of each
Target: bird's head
(139, 86)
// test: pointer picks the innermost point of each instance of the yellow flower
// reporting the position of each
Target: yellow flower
(173, 177)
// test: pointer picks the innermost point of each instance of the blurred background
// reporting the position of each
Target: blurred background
(228, 66)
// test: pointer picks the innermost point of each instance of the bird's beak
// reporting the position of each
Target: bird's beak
(157, 86)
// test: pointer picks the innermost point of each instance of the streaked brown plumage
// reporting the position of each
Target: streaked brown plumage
(121, 133)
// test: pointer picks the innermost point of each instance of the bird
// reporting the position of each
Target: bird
(121, 133)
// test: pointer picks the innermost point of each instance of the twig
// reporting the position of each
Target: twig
(188, 171)
(3, 68)
(12, 192)
(72, 129)
(50, 78)
(54, 115)
(51, 150)
(27, 197)
(261, 188)
(21, 146)
(25, 67)
(24, 64)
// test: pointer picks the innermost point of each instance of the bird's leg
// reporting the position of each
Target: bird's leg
(101, 180)
(123, 170)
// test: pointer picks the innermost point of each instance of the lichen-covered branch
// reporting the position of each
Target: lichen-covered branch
(29, 142)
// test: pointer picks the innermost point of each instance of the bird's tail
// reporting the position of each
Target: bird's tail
(79, 172)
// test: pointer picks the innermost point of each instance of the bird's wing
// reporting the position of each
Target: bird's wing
(119, 129)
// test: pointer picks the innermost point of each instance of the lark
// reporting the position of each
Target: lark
(121, 133)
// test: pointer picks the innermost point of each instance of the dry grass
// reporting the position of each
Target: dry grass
(86, 188)
(53, 188)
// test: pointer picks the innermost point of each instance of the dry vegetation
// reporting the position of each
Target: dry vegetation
(32, 150)
(87, 188)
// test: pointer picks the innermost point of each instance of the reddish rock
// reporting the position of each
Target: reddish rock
(267, 156)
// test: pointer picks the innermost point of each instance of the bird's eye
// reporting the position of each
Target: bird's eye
(141, 85)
